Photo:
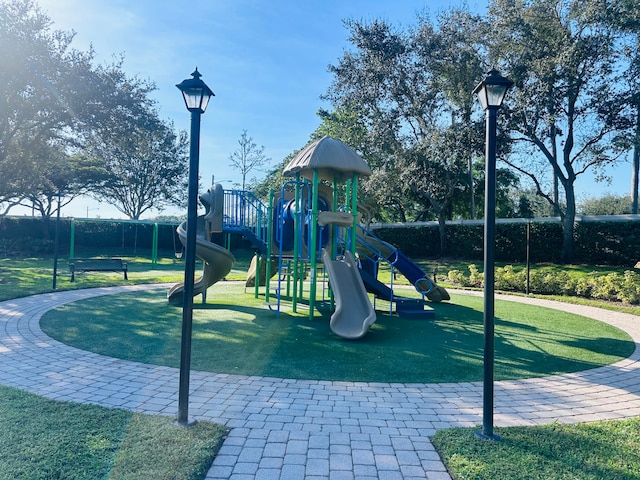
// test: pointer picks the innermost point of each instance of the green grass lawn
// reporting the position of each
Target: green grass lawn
(45, 439)
(20, 277)
(594, 451)
(235, 333)
(589, 452)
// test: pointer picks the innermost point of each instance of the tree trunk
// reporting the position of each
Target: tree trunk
(442, 230)
(556, 182)
(568, 224)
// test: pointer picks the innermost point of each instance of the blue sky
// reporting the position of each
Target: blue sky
(265, 61)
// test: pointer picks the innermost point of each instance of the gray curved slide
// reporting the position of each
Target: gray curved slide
(354, 313)
(217, 263)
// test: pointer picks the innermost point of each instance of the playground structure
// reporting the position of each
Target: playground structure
(303, 233)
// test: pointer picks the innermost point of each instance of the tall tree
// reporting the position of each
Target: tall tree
(382, 193)
(395, 101)
(45, 95)
(606, 205)
(248, 157)
(56, 178)
(405, 87)
(458, 64)
(435, 169)
(53, 103)
(565, 115)
(624, 15)
(145, 163)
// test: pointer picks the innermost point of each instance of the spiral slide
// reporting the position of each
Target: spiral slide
(217, 263)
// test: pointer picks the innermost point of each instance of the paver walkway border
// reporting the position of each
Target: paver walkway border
(311, 429)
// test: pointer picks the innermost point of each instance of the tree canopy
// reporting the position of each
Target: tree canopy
(61, 114)
(407, 94)
(145, 165)
(569, 114)
(45, 97)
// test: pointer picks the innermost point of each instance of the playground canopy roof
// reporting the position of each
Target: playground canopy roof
(332, 159)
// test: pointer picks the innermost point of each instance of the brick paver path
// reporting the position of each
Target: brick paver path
(295, 429)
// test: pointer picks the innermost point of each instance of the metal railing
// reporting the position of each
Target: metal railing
(245, 213)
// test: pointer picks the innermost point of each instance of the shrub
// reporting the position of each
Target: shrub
(28, 246)
(629, 290)
(474, 279)
(457, 278)
(39, 246)
(584, 286)
(507, 278)
(612, 287)
(596, 243)
(605, 287)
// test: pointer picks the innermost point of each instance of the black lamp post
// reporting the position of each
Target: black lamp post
(56, 247)
(491, 92)
(196, 97)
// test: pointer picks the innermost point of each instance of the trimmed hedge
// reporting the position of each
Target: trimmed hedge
(596, 243)
(123, 235)
(33, 236)
(608, 243)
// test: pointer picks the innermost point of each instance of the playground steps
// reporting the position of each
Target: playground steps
(413, 308)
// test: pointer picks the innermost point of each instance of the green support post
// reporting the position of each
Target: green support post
(296, 241)
(334, 235)
(334, 228)
(354, 211)
(313, 256)
(301, 277)
(347, 206)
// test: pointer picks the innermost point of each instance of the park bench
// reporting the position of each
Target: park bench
(97, 265)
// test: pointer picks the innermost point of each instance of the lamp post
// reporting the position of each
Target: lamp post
(56, 245)
(491, 93)
(528, 255)
(196, 97)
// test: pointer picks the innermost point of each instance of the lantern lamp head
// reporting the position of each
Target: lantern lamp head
(195, 92)
(492, 90)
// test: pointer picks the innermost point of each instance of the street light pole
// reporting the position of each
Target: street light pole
(491, 92)
(56, 246)
(196, 96)
(528, 256)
